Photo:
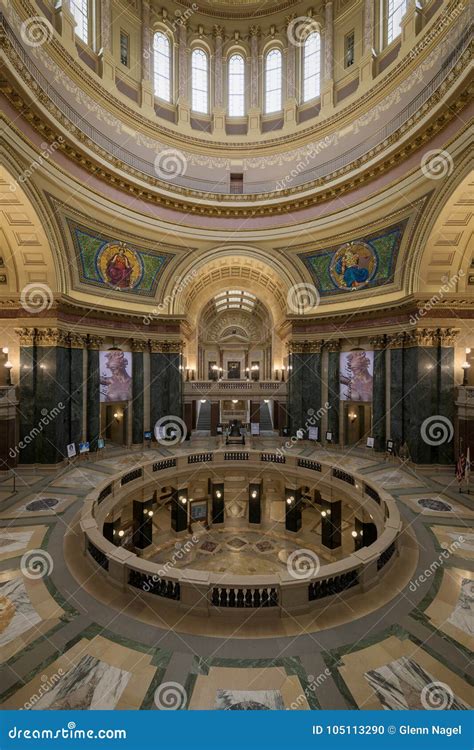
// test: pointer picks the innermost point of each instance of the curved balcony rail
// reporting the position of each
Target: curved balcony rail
(208, 592)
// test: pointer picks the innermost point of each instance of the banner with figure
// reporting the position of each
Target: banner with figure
(115, 375)
(356, 375)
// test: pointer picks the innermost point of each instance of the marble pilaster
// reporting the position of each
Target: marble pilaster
(93, 390)
(333, 389)
(379, 393)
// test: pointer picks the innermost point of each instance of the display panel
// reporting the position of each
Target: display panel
(356, 375)
(115, 375)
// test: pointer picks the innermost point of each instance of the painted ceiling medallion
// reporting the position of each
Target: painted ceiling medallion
(119, 266)
(353, 266)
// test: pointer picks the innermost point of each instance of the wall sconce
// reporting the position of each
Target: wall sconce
(290, 500)
(254, 494)
(203, 401)
(325, 513)
(235, 400)
(354, 534)
(148, 513)
(5, 350)
(121, 533)
(465, 367)
(117, 416)
(266, 401)
(352, 416)
(183, 500)
(8, 367)
(218, 494)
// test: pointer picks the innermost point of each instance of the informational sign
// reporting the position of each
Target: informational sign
(329, 437)
(356, 375)
(84, 447)
(71, 450)
(219, 429)
(300, 434)
(147, 435)
(313, 433)
(115, 375)
(199, 510)
(370, 442)
(100, 443)
(389, 446)
(254, 428)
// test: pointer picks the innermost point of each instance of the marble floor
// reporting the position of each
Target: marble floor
(68, 640)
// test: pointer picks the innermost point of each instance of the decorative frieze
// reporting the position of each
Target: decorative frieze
(379, 342)
(304, 347)
(334, 345)
(448, 336)
(94, 342)
(166, 347)
(26, 336)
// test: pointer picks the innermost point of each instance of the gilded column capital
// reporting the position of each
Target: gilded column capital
(448, 336)
(94, 342)
(51, 337)
(421, 337)
(26, 336)
(396, 340)
(379, 342)
(77, 341)
(139, 345)
(166, 347)
(333, 345)
(254, 31)
(305, 347)
(218, 31)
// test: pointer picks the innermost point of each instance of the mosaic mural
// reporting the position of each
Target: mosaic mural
(366, 262)
(109, 263)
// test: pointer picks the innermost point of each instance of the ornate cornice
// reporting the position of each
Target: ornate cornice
(423, 337)
(166, 347)
(378, 342)
(305, 347)
(94, 342)
(333, 345)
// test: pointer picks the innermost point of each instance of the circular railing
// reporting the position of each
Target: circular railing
(208, 592)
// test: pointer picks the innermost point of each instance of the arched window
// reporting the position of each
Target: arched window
(80, 12)
(396, 9)
(200, 81)
(273, 81)
(162, 66)
(236, 86)
(311, 66)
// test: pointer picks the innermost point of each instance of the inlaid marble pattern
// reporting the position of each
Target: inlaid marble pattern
(392, 478)
(249, 700)
(458, 538)
(91, 684)
(391, 674)
(17, 614)
(13, 541)
(437, 505)
(40, 505)
(462, 616)
(80, 478)
(400, 685)
(452, 609)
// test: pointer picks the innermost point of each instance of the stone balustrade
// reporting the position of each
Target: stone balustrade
(214, 593)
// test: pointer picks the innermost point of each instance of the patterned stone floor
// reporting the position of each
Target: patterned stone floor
(65, 646)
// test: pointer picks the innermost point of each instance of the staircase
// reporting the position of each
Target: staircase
(204, 417)
(265, 418)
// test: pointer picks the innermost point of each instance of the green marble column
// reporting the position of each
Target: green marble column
(76, 381)
(158, 395)
(175, 384)
(446, 390)
(166, 388)
(379, 393)
(305, 387)
(137, 393)
(93, 390)
(397, 372)
(27, 387)
(420, 397)
(333, 389)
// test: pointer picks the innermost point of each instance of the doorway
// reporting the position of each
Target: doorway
(357, 422)
(113, 421)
